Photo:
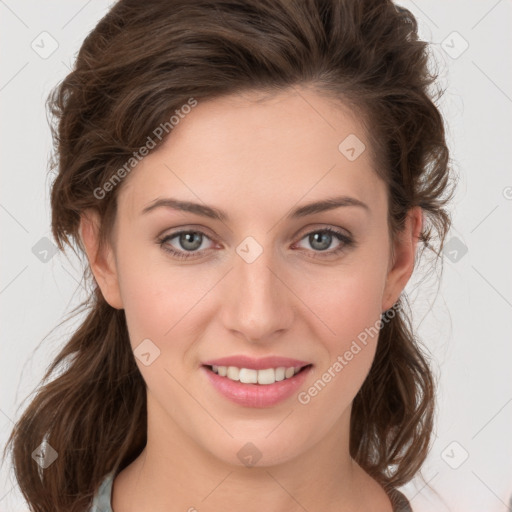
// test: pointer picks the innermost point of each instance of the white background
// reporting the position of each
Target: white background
(465, 323)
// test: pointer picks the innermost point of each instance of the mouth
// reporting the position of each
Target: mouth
(256, 388)
(262, 377)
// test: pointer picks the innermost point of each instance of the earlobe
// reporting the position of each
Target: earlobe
(404, 258)
(101, 260)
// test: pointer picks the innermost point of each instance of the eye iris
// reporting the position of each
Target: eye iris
(325, 240)
(187, 241)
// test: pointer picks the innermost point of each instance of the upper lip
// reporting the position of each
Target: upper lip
(256, 363)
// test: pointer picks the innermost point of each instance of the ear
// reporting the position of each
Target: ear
(102, 263)
(404, 252)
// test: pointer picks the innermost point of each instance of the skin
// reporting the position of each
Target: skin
(255, 160)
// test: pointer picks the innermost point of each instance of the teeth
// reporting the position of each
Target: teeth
(289, 372)
(267, 376)
(280, 373)
(250, 376)
(233, 373)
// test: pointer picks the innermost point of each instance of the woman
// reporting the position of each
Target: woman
(249, 181)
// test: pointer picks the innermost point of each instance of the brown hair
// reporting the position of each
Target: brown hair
(143, 61)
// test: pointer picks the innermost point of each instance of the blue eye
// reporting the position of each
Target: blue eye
(191, 241)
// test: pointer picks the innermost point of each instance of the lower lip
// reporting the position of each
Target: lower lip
(256, 395)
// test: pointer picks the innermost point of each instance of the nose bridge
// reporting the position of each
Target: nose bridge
(258, 304)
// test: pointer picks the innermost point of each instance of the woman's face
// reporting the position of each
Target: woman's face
(264, 280)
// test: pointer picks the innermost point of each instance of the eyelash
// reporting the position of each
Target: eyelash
(346, 243)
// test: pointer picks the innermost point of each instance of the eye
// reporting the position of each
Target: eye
(188, 242)
(321, 239)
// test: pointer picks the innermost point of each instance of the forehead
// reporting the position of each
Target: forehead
(258, 150)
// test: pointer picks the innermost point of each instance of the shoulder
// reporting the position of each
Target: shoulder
(103, 498)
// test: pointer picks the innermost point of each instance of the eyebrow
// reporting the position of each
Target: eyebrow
(214, 213)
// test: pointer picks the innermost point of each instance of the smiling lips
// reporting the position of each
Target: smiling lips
(256, 382)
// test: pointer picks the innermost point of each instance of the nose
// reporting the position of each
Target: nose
(259, 303)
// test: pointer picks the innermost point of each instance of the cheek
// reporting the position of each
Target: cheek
(348, 303)
(151, 303)
(346, 300)
(353, 316)
(162, 303)
(350, 353)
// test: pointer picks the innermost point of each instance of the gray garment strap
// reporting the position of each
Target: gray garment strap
(103, 498)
